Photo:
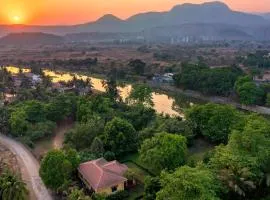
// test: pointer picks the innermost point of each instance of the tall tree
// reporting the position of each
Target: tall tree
(141, 94)
(188, 184)
(55, 169)
(120, 136)
(163, 151)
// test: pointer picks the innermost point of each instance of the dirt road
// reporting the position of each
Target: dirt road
(29, 167)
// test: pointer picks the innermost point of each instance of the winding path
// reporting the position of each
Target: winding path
(29, 167)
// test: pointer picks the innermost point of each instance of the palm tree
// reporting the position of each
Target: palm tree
(237, 180)
(11, 187)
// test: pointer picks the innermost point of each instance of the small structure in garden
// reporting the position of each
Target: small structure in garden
(101, 176)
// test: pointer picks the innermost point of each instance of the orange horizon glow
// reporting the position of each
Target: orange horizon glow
(66, 12)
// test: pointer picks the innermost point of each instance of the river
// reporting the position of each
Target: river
(163, 103)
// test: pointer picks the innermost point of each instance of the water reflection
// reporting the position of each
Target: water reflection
(162, 102)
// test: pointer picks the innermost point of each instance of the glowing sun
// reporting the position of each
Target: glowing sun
(16, 19)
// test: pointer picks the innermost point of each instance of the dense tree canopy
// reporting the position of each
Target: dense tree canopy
(188, 184)
(241, 165)
(213, 121)
(163, 151)
(120, 136)
(248, 92)
(82, 136)
(217, 81)
(56, 169)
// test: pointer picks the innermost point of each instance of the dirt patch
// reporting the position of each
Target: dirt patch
(54, 142)
(8, 160)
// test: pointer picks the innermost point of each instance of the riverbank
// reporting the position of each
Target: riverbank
(213, 99)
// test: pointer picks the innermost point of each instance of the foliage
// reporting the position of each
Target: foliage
(141, 94)
(240, 164)
(163, 151)
(77, 194)
(120, 137)
(268, 100)
(213, 121)
(55, 169)
(111, 89)
(248, 92)
(151, 187)
(97, 147)
(167, 124)
(137, 66)
(109, 156)
(217, 81)
(61, 106)
(11, 187)
(139, 115)
(82, 136)
(118, 196)
(188, 184)
(4, 120)
(95, 107)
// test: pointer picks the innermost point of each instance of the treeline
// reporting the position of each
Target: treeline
(32, 119)
(217, 81)
(75, 62)
(259, 59)
(227, 81)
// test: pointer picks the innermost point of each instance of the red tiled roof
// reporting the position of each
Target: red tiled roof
(102, 174)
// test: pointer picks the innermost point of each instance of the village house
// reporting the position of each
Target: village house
(103, 177)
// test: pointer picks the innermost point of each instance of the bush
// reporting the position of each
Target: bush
(118, 196)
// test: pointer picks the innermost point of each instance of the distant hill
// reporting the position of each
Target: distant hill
(266, 16)
(185, 16)
(31, 39)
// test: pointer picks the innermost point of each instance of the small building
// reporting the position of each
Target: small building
(101, 176)
(165, 78)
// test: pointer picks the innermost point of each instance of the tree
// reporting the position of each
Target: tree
(18, 123)
(151, 187)
(11, 187)
(163, 151)
(34, 111)
(138, 66)
(249, 93)
(120, 137)
(141, 94)
(111, 88)
(4, 123)
(60, 107)
(240, 164)
(82, 136)
(213, 121)
(188, 184)
(139, 115)
(97, 147)
(217, 81)
(55, 169)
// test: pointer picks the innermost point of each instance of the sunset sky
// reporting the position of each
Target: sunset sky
(80, 11)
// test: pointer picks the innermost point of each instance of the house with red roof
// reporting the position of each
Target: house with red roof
(101, 176)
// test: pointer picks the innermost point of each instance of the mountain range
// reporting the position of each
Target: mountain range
(208, 20)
